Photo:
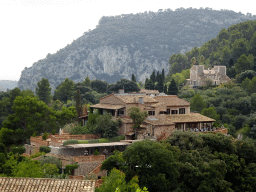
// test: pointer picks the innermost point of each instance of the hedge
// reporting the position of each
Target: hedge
(45, 149)
(71, 141)
(102, 140)
(18, 149)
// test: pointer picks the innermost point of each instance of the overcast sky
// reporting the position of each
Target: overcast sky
(30, 29)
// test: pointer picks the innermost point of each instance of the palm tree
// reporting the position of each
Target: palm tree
(193, 60)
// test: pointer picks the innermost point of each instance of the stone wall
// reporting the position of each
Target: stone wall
(89, 158)
(86, 167)
(38, 141)
(30, 150)
(57, 140)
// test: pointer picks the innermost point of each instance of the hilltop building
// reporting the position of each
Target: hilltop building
(198, 75)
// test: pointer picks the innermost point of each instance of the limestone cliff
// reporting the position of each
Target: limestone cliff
(126, 44)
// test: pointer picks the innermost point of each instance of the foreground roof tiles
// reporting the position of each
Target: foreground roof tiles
(9, 184)
(189, 118)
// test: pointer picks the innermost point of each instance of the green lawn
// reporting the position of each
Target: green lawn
(102, 140)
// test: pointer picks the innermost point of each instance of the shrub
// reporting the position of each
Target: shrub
(96, 152)
(93, 141)
(44, 137)
(79, 130)
(18, 149)
(36, 155)
(3, 149)
(45, 149)
(70, 167)
(53, 132)
(34, 135)
(82, 141)
(71, 141)
(51, 160)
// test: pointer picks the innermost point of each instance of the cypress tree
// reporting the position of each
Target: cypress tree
(134, 78)
(153, 77)
(165, 89)
(163, 75)
(172, 90)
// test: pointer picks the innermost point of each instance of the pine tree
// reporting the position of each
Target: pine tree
(43, 90)
(172, 90)
(134, 78)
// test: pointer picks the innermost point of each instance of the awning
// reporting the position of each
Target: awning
(107, 106)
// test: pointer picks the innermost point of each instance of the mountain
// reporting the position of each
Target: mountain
(7, 84)
(130, 43)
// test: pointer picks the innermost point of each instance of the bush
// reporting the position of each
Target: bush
(44, 137)
(79, 130)
(53, 132)
(82, 141)
(71, 141)
(45, 149)
(34, 135)
(3, 149)
(70, 167)
(18, 149)
(36, 155)
(93, 141)
(96, 152)
(51, 160)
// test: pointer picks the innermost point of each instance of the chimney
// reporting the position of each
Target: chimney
(140, 100)
(121, 91)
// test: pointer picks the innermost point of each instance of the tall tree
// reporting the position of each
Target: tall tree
(173, 89)
(193, 60)
(163, 75)
(165, 89)
(78, 105)
(197, 103)
(149, 85)
(160, 84)
(65, 91)
(134, 78)
(137, 117)
(87, 81)
(153, 77)
(43, 90)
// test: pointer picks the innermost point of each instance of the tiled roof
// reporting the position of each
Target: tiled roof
(149, 91)
(188, 118)
(135, 98)
(163, 121)
(107, 106)
(171, 100)
(8, 184)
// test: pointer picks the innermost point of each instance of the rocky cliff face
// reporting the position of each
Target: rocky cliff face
(127, 44)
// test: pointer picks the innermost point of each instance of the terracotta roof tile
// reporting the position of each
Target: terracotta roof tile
(134, 98)
(172, 100)
(149, 91)
(188, 118)
(8, 184)
(107, 106)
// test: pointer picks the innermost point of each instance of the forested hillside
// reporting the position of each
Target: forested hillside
(130, 43)
(234, 47)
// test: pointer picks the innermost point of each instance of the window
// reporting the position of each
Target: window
(151, 113)
(181, 110)
(174, 111)
(168, 111)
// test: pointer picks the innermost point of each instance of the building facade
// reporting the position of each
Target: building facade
(199, 76)
(166, 113)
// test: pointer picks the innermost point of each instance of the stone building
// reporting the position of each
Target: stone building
(166, 113)
(198, 75)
